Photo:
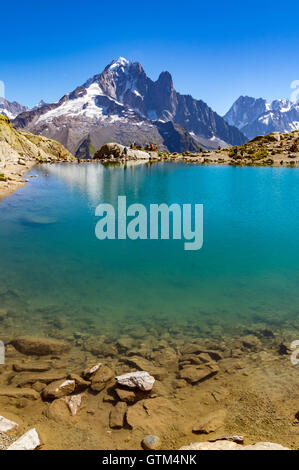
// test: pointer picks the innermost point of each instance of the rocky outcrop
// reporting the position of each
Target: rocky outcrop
(19, 151)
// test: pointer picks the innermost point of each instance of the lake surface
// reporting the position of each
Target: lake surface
(247, 271)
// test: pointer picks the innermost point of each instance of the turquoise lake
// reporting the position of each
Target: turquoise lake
(247, 270)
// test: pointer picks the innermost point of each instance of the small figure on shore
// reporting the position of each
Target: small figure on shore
(126, 150)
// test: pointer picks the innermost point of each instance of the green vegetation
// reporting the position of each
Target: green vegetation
(3, 177)
(259, 155)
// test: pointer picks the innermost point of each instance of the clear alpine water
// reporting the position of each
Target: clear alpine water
(247, 271)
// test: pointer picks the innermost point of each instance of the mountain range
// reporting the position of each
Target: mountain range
(122, 104)
(258, 117)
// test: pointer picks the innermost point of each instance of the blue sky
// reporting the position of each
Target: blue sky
(215, 51)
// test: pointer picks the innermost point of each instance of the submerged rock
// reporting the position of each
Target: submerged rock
(74, 403)
(27, 378)
(101, 378)
(127, 396)
(81, 384)
(90, 371)
(18, 393)
(194, 373)
(59, 389)
(31, 367)
(38, 220)
(117, 415)
(141, 379)
(210, 422)
(153, 415)
(29, 441)
(40, 346)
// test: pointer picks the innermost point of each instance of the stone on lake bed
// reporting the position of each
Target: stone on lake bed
(40, 346)
(38, 220)
(29, 441)
(194, 373)
(90, 371)
(23, 379)
(59, 389)
(18, 393)
(151, 442)
(117, 415)
(74, 403)
(101, 378)
(210, 422)
(7, 426)
(127, 396)
(81, 384)
(31, 367)
(140, 379)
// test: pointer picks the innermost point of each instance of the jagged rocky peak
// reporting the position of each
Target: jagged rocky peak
(41, 104)
(245, 110)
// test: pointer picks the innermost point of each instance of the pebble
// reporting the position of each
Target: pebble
(151, 442)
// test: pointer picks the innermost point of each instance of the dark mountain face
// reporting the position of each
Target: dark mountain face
(257, 117)
(11, 110)
(122, 104)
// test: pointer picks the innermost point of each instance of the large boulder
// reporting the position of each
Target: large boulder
(115, 150)
(110, 149)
